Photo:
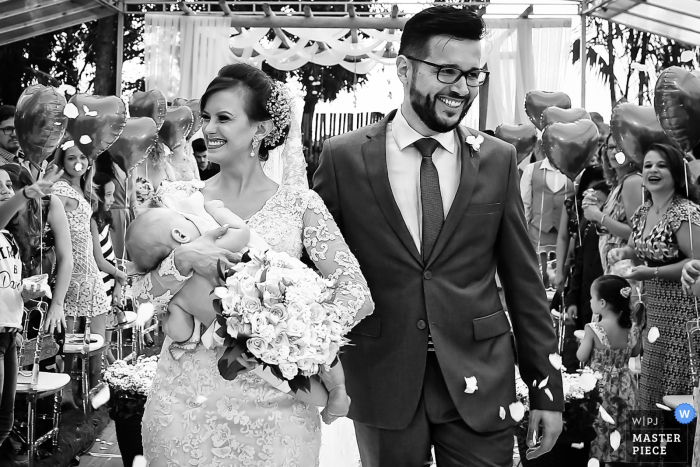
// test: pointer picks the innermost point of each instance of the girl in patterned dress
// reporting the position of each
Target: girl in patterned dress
(609, 345)
(661, 240)
(86, 292)
(112, 277)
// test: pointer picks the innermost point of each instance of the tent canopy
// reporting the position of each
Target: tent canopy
(22, 19)
(676, 19)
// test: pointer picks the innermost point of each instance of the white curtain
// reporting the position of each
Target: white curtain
(523, 55)
(184, 53)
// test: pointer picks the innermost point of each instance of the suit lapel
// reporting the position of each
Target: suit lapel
(374, 153)
(467, 181)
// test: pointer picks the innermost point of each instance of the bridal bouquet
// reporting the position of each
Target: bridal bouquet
(275, 308)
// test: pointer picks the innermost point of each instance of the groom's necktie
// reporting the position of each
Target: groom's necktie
(430, 197)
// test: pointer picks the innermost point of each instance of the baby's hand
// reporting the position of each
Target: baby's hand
(214, 204)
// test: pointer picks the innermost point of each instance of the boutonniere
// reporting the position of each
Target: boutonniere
(474, 142)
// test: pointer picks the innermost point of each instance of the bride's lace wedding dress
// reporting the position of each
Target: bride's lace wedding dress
(193, 416)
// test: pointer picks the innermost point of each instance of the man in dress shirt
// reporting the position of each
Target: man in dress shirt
(432, 211)
(544, 189)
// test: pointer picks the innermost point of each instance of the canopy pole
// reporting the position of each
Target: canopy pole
(120, 52)
(583, 58)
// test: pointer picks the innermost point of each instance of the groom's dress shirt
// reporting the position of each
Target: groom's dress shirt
(403, 164)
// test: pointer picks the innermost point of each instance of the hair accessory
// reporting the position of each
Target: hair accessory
(625, 292)
(256, 143)
(279, 105)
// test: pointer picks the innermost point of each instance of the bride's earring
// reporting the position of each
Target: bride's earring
(256, 143)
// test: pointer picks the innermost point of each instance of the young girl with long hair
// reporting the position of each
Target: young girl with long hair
(609, 344)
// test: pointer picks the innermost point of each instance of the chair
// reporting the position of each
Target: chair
(86, 346)
(35, 385)
(118, 330)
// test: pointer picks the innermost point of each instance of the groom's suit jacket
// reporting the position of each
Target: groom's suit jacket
(453, 295)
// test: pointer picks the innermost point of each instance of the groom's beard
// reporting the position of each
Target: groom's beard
(424, 107)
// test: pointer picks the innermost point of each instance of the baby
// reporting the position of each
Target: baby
(158, 231)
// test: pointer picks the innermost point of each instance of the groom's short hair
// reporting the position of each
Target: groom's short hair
(460, 23)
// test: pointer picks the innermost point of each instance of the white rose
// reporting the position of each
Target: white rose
(295, 328)
(289, 370)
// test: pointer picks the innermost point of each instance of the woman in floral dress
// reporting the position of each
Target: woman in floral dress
(194, 416)
(86, 293)
(661, 239)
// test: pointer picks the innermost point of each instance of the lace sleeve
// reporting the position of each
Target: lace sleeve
(160, 285)
(293, 155)
(331, 255)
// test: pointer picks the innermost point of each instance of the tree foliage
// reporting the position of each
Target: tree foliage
(612, 47)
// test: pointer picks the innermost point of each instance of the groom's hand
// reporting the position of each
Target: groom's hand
(552, 423)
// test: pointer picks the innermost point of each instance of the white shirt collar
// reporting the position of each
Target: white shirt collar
(546, 165)
(405, 135)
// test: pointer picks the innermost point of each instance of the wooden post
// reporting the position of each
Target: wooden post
(120, 53)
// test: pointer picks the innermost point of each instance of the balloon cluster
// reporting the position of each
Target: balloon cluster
(100, 123)
(569, 137)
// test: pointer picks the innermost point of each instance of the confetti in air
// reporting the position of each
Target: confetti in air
(620, 158)
(101, 397)
(471, 385)
(664, 407)
(68, 144)
(502, 413)
(606, 416)
(653, 334)
(543, 383)
(549, 394)
(577, 445)
(593, 463)
(517, 411)
(139, 461)
(555, 360)
(85, 139)
(588, 382)
(71, 111)
(615, 440)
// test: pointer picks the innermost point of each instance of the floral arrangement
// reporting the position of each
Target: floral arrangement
(129, 386)
(278, 310)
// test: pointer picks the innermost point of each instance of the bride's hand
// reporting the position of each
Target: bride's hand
(202, 255)
(249, 362)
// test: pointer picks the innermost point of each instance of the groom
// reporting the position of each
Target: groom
(432, 211)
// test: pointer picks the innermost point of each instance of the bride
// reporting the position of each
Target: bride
(193, 416)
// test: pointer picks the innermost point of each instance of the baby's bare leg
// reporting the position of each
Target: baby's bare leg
(178, 324)
(338, 400)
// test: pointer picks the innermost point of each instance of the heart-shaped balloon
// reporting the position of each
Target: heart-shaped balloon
(177, 125)
(194, 106)
(557, 114)
(39, 122)
(677, 106)
(149, 104)
(95, 122)
(523, 137)
(537, 101)
(635, 128)
(570, 146)
(179, 102)
(139, 137)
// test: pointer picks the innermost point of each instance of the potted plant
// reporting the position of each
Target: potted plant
(580, 410)
(129, 386)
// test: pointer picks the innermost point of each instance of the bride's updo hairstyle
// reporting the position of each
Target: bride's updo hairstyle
(266, 99)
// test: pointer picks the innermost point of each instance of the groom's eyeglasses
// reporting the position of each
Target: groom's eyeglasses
(448, 74)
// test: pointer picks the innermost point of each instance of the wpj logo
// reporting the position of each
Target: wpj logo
(656, 435)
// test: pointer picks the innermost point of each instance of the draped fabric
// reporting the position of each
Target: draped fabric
(184, 53)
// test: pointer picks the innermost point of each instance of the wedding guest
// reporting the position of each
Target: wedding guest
(9, 144)
(156, 167)
(41, 231)
(121, 210)
(661, 238)
(207, 168)
(627, 195)
(544, 189)
(86, 293)
(113, 278)
(12, 293)
(587, 266)
(608, 345)
(568, 234)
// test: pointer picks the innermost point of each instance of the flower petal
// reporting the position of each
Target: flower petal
(593, 463)
(653, 334)
(615, 440)
(534, 383)
(549, 394)
(606, 416)
(222, 292)
(139, 461)
(555, 360)
(71, 111)
(502, 413)
(517, 411)
(543, 383)
(577, 445)
(471, 384)
(664, 407)
(588, 382)
(85, 139)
